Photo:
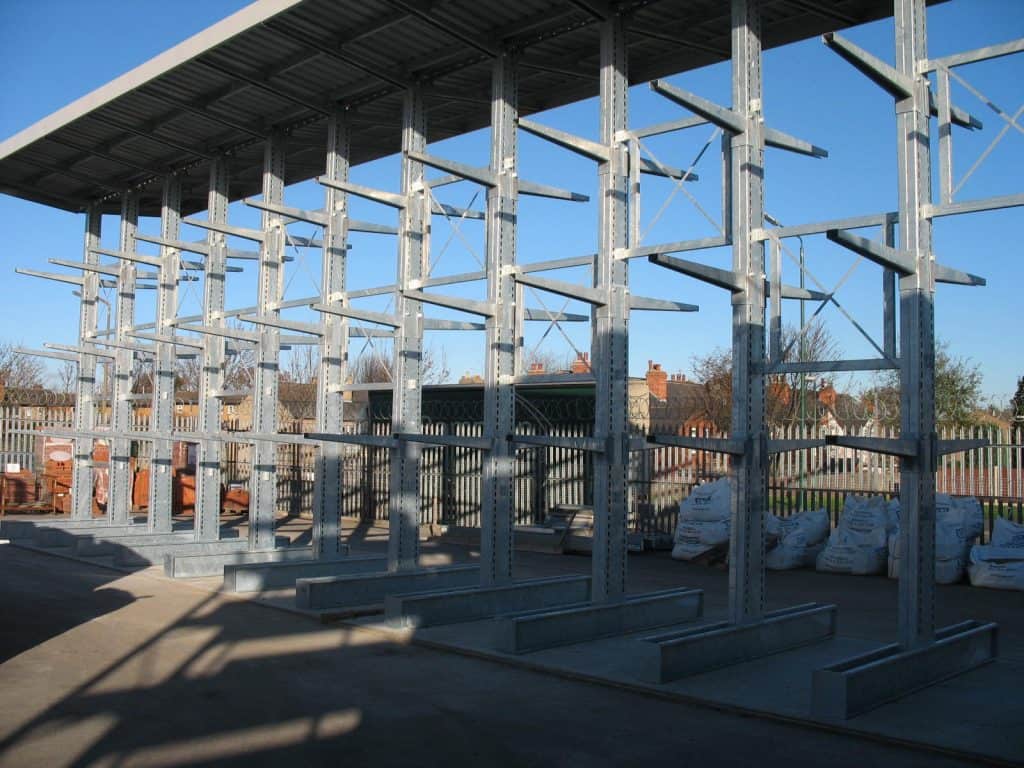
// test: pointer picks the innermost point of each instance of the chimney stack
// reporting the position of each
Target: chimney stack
(581, 364)
(657, 380)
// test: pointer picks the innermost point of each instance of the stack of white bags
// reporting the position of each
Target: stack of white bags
(1000, 564)
(703, 520)
(800, 538)
(704, 523)
(958, 524)
(859, 545)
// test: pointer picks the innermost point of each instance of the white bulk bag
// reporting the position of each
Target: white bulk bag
(997, 567)
(800, 539)
(860, 545)
(703, 520)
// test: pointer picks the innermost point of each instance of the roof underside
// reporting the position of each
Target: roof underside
(263, 68)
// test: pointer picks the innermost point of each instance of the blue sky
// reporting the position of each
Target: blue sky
(53, 51)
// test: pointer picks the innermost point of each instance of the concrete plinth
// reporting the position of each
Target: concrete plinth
(185, 566)
(861, 683)
(153, 554)
(372, 588)
(66, 536)
(96, 544)
(547, 629)
(436, 608)
(680, 654)
(257, 577)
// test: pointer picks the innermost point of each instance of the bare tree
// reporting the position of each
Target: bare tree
(18, 371)
(303, 364)
(375, 365)
(239, 369)
(714, 372)
(65, 378)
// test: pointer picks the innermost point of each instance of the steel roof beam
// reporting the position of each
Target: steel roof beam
(386, 74)
(486, 45)
(263, 84)
(206, 114)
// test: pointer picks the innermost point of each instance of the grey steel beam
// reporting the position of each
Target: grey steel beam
(85, 384)
(746, 543)
(610, 329)
(498, 497)
(162, 411)
(211, 381)
(917, 335)
(404, 492)
(119, 503)
(327, 542)
(263, 476)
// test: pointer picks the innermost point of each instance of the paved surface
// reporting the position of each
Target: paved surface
(104, 668)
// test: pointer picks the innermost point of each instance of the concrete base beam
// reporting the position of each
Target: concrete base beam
(435, 608)
(154, 554)
(679, 654)
(95, 544)
(180, 566)
(859, 684)
(370, 589)
(22, 528)
(577, 624)
(69, 537)
(258, 577)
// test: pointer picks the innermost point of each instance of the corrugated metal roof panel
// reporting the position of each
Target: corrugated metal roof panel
(281, 63)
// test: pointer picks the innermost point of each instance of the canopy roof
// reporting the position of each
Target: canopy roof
(283, 63)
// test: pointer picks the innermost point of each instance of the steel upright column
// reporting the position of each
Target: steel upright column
(119, 501)
(404, 491)
(162, 418)
(263, 478)
(333, 345)
(746, 545)
(500, 366)
(211, 382)
(917, 338)
(611, 326)
(85, 387)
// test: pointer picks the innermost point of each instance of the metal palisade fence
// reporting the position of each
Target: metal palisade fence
(547, 477)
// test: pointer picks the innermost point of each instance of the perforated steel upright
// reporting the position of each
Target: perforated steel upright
(500, 356)
(211, 382)
(85, 385)
(917, 337)
(119, 501)
(610, 342)
(162, 418)
(333, 345)
(404, 491)
(746, 545)
(263, 477)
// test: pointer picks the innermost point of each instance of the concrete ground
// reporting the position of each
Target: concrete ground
(104, 668)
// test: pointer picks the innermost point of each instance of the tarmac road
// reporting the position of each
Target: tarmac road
(100, 668)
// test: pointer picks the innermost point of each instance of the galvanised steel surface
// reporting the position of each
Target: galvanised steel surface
(404, 485)
(162, 411)
(85, 385)
(119, 501)
(610, 330)
(211, 379)
(263, 482)
(333, 346)
(498, 471)
(746, 544)
(917, 337)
